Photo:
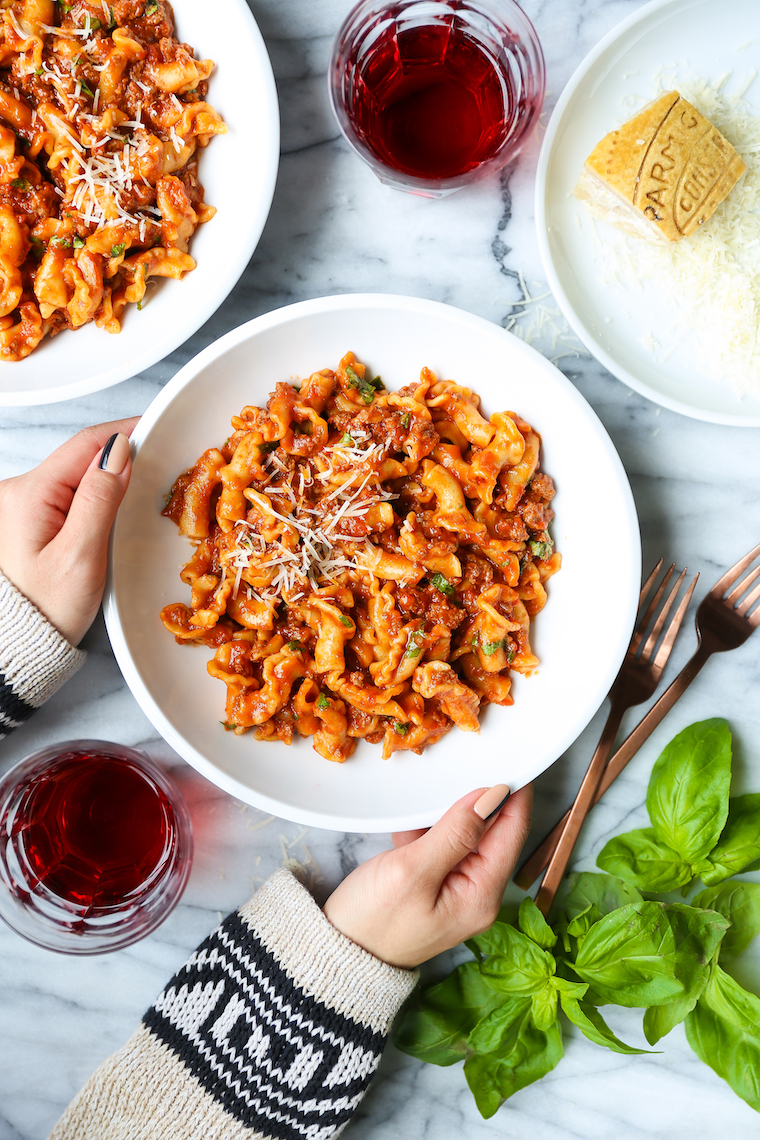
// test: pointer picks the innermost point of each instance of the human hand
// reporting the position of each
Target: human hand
(437, 887)
(55, 521)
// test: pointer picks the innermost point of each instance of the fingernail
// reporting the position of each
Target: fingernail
(491, 801)
(115, 454)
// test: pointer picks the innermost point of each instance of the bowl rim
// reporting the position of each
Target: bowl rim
(156, 409)
(239, 254)
(640, 16)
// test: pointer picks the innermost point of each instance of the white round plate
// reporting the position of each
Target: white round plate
(238, 172)
(681, 37)
(580, 636)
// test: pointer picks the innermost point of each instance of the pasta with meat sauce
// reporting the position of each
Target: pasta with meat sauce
(102, 113)
(367, 562)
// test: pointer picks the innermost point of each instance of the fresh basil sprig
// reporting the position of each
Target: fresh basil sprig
(697, 831)
(501, 1013)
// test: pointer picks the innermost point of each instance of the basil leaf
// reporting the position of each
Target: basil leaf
(541, 549)
(117, 250)
(629, 956)
(513, 962)
(442, 584)
(543, 1006)
(603, 892)
(435, 1022)
(687, 798)
(534, 1054)
(365, 387)
(724, 1031)
(534, 925)
(640, 858)
(698, 934)
(500, 1027)
(739, 843)
(592, 1025)
(322, 702)
(740, 903)
(660, 1019)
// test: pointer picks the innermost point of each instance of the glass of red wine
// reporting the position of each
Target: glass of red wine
(435, 94)
(95, 846)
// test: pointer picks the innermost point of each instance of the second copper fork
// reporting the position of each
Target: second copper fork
(637, 680)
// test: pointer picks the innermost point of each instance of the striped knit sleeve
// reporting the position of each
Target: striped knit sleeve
(35, 659)
(272, 1030)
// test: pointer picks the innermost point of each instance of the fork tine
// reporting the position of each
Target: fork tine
(641, 626)
(675, 624)
(745, 583)
(648, 583)
(731, 575)
(651, 641)
(750, 600)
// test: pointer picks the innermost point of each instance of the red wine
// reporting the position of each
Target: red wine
(93, 828)
(429, 102)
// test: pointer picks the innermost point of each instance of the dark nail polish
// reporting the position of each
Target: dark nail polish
(107, 451)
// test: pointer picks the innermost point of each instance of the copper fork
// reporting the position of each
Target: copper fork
(638, 678)
(723, 623)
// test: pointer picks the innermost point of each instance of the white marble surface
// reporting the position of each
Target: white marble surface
(334, 228)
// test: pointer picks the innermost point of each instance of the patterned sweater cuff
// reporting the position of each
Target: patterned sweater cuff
(272, 1030)
(35, 659)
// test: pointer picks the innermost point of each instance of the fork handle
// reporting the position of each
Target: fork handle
(534, 865)
(584, 801)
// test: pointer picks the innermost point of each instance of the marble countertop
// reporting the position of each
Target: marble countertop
(334, 228)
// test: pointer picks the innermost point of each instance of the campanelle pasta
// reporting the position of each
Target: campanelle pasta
(367, 563)
(102, 113)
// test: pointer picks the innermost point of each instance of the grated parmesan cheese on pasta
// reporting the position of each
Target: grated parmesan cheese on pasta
(715, 273)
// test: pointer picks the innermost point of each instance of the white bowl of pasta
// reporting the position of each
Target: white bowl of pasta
(365, 558)
(111, 254)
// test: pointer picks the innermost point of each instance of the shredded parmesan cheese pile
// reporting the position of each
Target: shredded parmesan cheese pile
(715, 274)
(318, 548)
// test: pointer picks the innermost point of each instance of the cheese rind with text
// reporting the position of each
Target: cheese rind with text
(662, 174)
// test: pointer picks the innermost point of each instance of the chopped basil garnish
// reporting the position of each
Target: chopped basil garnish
(399, 728)
(322, 702)
(87, 90)
(62, 241)
(117, 250)
(294, 646)
(95, 24)
(20, 184)
(442, 584)
(365, 387)
(345, 620)
(413, 649)
(78, 242)
(111, 20)
(541, 549)
(151, 7)
(268, 446)
(406, 420)
(346, 440)
(491, 647)
(510, 655)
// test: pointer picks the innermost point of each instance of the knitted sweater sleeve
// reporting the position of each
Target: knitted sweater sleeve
(35, 659)
(273, 1028)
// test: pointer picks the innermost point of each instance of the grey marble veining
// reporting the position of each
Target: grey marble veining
(335, 228)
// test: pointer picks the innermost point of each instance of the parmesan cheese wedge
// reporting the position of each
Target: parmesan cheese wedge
(662, 174)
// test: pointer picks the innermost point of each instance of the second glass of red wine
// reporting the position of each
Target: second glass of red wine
(95, 846)
(434, 94)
